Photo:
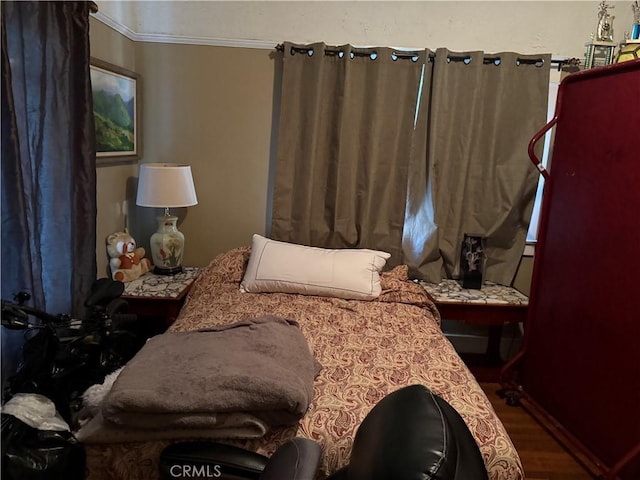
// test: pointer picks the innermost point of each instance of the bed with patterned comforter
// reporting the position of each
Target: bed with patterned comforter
(367, 349)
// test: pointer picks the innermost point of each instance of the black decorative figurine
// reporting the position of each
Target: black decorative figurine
(472, 261)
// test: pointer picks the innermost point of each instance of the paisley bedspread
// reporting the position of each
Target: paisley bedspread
(367, 349)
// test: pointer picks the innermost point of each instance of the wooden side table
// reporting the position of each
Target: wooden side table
(160, 296)
(493, 305)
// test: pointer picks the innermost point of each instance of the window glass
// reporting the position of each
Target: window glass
(554, 82)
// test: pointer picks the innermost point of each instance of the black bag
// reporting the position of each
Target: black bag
(32, 454)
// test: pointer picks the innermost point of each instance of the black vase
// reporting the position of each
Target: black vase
(472, 261)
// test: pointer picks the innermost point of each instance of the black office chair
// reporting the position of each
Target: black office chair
(411, 434)
(296, 459)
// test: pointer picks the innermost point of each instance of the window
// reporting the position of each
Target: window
(532, 234)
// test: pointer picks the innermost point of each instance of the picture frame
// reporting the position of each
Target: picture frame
(117, 100)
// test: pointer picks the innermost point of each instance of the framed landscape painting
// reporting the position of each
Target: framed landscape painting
(116, 108)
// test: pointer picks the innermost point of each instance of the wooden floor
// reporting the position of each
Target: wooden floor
(543, 458)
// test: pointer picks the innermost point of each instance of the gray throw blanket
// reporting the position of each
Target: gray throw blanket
(258, 370)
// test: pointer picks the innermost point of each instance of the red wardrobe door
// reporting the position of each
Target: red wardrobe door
(582, 354)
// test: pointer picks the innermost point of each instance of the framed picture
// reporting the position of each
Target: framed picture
(117, 111)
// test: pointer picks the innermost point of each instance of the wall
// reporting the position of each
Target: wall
(212, 106)
(560, 27)
(209, 107)
(111, 46)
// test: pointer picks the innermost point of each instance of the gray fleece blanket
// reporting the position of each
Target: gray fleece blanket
(254, 371)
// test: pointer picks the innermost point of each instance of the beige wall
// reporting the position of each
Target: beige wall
(559, 27)
(110, 46)
(210, 107)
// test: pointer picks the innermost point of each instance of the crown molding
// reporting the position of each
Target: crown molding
(217, 42)
(118, 27)
(178, 39)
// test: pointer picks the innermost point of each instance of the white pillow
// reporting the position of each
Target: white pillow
(290, 268)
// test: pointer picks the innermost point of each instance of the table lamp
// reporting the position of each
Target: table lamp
(166, 185)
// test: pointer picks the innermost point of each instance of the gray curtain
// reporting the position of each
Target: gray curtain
(48, 159)
(484, 110)
(419, 242)
(346, 138)
(408, 155)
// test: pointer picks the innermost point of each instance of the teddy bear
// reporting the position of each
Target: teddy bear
(127, 261)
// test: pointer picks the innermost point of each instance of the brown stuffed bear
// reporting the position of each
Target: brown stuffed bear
(127, 261)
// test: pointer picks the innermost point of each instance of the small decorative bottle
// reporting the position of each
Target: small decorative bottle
(472, 261)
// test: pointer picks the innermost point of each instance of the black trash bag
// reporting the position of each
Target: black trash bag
(34, 373)
(30, 453)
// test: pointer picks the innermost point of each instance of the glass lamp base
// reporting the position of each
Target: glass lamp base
(167, 271)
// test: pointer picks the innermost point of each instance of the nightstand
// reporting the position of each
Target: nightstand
(160, 296)
(493, 306)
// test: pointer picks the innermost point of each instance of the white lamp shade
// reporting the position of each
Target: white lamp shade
(165, 185)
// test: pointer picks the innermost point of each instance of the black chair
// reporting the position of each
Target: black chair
(297, 459)
(413, 434)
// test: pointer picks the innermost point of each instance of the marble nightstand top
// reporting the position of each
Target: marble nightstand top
(151, 285)
(450, 291)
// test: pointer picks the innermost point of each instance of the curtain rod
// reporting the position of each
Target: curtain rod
(410, 54)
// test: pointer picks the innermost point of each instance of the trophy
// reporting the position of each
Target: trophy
(630, 46)
(601, 47)
(604, 31)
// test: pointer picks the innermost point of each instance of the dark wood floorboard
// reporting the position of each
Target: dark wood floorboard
(543, 457)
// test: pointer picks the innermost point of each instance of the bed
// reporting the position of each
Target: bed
(367, 349)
